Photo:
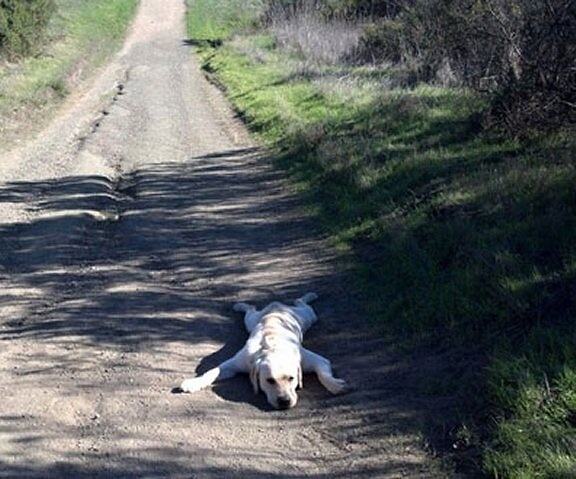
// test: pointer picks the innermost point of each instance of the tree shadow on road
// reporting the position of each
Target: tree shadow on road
(134, 277)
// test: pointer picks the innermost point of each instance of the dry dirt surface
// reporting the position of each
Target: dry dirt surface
(128, 228)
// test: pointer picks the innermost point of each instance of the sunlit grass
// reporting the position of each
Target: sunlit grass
(219, 19)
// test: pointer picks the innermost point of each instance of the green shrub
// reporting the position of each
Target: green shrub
(23, 25)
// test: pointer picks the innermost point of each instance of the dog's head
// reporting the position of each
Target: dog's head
(278, 374)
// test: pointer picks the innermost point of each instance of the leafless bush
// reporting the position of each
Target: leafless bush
(538, 89)
(304, 31)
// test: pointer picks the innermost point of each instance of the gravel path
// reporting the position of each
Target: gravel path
(128, 228)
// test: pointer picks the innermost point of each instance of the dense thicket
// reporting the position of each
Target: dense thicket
(23, 25)
(521, 52)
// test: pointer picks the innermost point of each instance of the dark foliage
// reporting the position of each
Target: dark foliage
(522, 53)
(538, 89)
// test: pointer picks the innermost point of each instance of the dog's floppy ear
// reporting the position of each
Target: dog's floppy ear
(300, 379)
(254, 376)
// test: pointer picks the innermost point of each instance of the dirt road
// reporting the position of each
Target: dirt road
(127, 230)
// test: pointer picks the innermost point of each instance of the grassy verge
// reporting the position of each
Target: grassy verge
(459, 238)
(82, 35)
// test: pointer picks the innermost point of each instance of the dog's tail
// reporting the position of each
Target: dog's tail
(243, 307)
(307, 298)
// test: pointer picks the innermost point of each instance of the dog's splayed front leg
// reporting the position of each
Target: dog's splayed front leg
(312, 362)
(226, 370)
(196, 384)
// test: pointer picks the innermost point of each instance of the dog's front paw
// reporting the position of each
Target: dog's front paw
(191, 385)
(337, 386)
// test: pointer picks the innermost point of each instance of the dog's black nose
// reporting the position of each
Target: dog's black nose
(283, 403)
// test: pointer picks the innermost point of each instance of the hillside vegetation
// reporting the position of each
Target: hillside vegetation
(46, 48)
(435, 142)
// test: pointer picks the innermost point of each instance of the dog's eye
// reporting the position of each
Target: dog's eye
(271, 380)
(291, 378)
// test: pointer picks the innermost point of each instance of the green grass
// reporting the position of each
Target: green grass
(219, 19)
(82, 35)
(459, 238)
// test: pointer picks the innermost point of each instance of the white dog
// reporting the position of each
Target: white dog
(273, 356)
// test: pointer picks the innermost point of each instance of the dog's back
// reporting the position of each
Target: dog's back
(301, 313)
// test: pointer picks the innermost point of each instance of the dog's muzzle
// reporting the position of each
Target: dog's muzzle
(284, 403)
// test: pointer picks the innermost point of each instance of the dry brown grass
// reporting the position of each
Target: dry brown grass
(306, 33)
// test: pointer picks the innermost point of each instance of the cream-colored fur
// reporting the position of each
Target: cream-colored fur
(273, 355)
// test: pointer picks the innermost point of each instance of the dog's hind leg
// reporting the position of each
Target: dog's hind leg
(307, 298)
(243, 307)
(312, 362)
(227, 369)
(251, 315)
(306, 314)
